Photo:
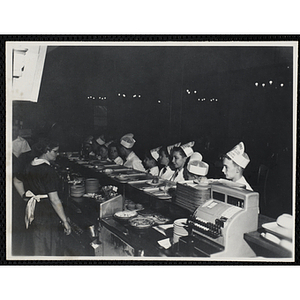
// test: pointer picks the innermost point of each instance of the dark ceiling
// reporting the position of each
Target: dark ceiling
(120, 67)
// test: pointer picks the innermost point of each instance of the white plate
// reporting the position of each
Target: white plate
(161, 195)
(278, 231)
(107, 171)
(125, 214)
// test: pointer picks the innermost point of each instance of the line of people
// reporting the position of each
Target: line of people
(177, 162)
(38, 185)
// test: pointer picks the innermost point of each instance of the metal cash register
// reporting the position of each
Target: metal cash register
(217, 226)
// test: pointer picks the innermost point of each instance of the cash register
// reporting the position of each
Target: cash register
(217, 226)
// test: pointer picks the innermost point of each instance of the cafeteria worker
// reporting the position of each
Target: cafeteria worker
(234, 163)
(44, 216)
(180, 156)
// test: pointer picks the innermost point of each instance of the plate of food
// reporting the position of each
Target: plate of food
(121, 177)
(160, 220)
(125, 214)
(154, 181)
(141, 223)
(162, 195)
(108, 171)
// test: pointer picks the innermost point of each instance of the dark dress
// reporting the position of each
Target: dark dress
(18, 209)
(45, 230)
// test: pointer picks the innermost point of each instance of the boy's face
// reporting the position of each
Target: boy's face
(113, 152)
(163, 159)
(148, 162)
(230, 170)
(178, 160)
(103, 152)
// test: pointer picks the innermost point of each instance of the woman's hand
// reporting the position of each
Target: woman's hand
(67, 227)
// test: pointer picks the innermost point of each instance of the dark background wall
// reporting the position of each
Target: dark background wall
(205, 94)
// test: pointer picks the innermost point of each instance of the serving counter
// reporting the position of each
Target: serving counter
(95, 233)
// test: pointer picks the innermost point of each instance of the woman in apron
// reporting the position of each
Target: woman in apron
(44, 217)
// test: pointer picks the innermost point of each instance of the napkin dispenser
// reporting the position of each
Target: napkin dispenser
(111, 206)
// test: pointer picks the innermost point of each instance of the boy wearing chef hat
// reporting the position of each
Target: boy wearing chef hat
(150, 161)
(196, 168)
(131, 159)
(88, 147)
(180, 156)
(165, 160)
(234, 163)
(113, 154)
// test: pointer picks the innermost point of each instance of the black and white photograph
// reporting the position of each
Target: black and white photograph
(151, 150)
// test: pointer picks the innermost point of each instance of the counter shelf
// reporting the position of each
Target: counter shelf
(146, 244)
(262, 246)
(120, 239)
(82, 213)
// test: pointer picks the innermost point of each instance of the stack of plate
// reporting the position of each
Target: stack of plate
(92, 185)
(77, 190)
(180, 229)
(191, 197)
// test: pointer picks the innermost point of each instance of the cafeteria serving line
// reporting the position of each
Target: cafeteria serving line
(147, 151)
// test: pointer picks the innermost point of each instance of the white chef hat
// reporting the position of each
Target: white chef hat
(100, 141)
(187, 148)
(127, 140)
(196, 156)
(169, 148)
(89, 140)
(238, 155)
(155, 153)
(108, 143)
(198, 167)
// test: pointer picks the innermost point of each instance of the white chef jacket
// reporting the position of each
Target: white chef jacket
(166, 173)
(132, 161)
(178, 176)
(154, 171)
(19, 146)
